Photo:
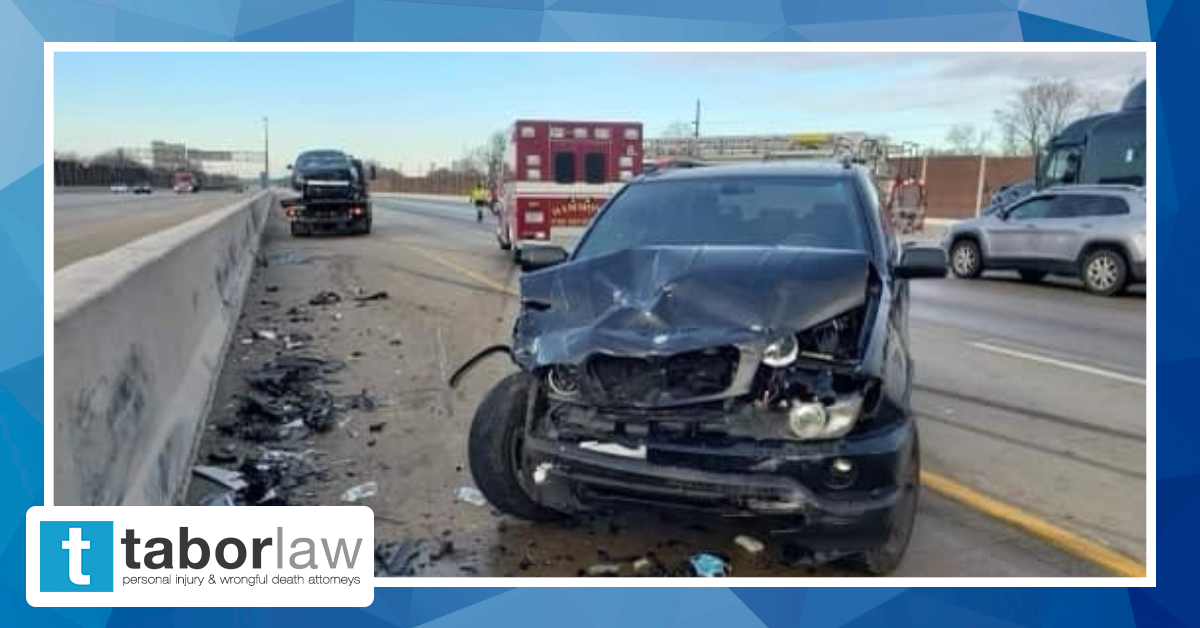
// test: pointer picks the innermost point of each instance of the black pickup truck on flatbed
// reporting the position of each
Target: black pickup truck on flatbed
(333, 194)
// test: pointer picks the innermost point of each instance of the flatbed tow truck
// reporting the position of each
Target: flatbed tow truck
(333, 194)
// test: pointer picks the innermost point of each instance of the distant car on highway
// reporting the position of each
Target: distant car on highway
(731, 339)
(184, 182)
(144, 188)
(118, 188)
(1094, 232)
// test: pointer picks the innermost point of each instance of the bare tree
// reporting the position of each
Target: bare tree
(495, 152)
(489, 157)
(966, 139)
(1039, 111)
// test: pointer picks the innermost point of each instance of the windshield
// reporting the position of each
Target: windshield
(325, 159)
(1060, 165)
(735, 211)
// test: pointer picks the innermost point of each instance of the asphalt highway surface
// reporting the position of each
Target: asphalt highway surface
(88, 223)
(1031, 404)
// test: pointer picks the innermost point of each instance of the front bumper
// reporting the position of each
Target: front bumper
(786, 482)
(564, 237)
(331, 224)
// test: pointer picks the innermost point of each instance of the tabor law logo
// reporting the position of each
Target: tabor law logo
(198, 556)
(76, 556)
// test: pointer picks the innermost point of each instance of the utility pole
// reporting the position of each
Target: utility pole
(266, 153)
(696, 124)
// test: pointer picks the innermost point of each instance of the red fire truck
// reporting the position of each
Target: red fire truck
(558, 174)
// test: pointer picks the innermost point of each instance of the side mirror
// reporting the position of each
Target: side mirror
(921, 262)
(542, 257)
(289, 166)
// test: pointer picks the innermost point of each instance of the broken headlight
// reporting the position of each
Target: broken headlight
(782, 352)
(810, 420)
(834, 340)
(563, 381)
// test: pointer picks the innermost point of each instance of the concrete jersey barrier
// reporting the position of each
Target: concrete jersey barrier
(139, 336)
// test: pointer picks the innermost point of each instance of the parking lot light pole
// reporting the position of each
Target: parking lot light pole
(266, 153)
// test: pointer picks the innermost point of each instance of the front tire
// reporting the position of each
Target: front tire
(1104, 272)
(506, 241)
(884, 559)
(494, 450)
(966, 260)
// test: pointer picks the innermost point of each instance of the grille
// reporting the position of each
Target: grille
(678, 377)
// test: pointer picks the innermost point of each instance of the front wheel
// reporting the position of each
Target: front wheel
(505, 241)
(883, 560)
(1104, 272)
(966, 260)
(494, 449)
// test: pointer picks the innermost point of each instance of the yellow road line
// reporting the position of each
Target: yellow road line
(1090, 551)
(477, 277)
(1073, 543)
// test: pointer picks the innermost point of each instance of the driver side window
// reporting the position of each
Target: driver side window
(1033, 209)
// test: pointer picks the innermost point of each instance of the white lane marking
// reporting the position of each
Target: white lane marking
(1080, 368)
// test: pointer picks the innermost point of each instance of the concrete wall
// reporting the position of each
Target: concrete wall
(139, 336)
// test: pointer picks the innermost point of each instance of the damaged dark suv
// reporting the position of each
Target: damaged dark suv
(732, 339)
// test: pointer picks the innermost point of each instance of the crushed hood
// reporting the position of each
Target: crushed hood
(665, 300)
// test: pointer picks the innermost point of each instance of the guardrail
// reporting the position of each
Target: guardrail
(139, 336)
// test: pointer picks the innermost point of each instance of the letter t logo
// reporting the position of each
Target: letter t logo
(75, 546)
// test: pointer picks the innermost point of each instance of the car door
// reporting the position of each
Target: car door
(1062, 231)
(1014, 233)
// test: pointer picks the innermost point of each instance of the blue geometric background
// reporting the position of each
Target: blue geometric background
(25, 24)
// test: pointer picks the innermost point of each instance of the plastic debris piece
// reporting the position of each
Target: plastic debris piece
(707, 565)
(325, 297)
(649, 567)
(374, 296)
(750, 544)
(603, 570)
(355, 494)
(227, 478)
(471, 495)
(266, 334)
(396, 559)
(362, 401)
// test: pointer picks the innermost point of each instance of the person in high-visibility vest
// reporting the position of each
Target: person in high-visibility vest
(480, 197)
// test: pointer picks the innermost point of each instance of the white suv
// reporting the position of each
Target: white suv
(1094, 232)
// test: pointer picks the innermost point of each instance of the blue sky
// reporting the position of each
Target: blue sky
(410, 109)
